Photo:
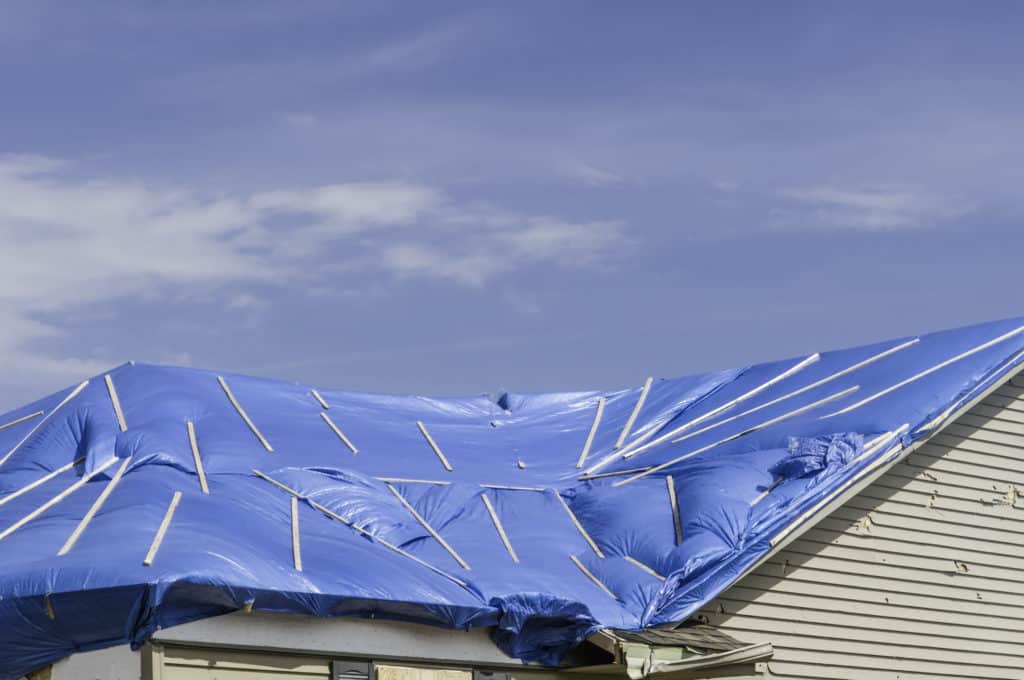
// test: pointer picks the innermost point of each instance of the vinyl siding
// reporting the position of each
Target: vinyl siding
(918, 576)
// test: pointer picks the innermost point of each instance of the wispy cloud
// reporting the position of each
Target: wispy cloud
(873, 209)
(73, 242)
(590, 174)
(486, 253)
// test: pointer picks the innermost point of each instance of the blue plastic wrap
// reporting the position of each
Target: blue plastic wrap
(752, 451)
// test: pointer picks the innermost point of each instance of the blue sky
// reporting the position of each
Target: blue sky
(457, 198)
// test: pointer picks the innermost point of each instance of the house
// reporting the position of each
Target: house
(848, 514)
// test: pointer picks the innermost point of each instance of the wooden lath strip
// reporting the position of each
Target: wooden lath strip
(116, 402)
(807, 388)
(614, 473)
(636, 412)
(323, 404)
(162, 531)
(245, 416)
(641, 565)
(767, 492)
(387, 544)
(347, 522)
(406, 480)
(674, 505)
(582, 567)
(56, 499)
(499, 527)
(296, 540)
(593, 431)
(77, 533)
(755, 428)
(194, 444)
(433, 445)
(578, 525)
(928, 371)
(430, 530)
(19, 421)
(338, 432)
(42, 480)
(74, 393)
(510, 487)
(637, 447)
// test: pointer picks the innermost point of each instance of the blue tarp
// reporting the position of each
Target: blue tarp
(749, 451)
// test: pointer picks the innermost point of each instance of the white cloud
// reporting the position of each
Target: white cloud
(591, 175)
(874, 209)
(486, 253)
(73, 244)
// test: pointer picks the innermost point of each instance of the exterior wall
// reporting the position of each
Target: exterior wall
(173, 662)
(114, 663)
(918, 576)
(260, 645)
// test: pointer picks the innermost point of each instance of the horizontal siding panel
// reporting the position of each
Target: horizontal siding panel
(1002, 400)
(936, 462)
(196, 673)
(914, 639)
(937, 549)
(881, 517)
(980, 492)
(916, 561)
(954, 518)
(797, 635)
(955, 436)
(1009, 389)
(905, 472)
(987, 456)
(894, 671)
(875, 591)
(882, 581)
(950, 578)
(993, 505)
(986, 411)
(211, 664)
(1001, 422)
(889, 538)
(890, 611)
(989, 452)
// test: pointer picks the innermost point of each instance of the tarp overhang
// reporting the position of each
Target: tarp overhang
(548, 517)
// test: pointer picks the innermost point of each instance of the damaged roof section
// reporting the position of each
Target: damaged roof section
(690, 647)
(154, 495)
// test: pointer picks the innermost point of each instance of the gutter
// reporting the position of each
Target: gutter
(642, 660)
(742, 655)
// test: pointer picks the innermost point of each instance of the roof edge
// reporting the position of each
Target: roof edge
(872, 473)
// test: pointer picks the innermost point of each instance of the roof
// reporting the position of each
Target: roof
(152, 495)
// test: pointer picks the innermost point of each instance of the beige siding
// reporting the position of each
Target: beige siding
(200, 663)
(919, 576)
(203, 664)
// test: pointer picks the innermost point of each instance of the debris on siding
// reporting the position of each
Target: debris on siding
(864, 524)
(1007, 500)
(961, 567)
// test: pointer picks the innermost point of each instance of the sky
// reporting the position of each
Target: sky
(462, 198)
